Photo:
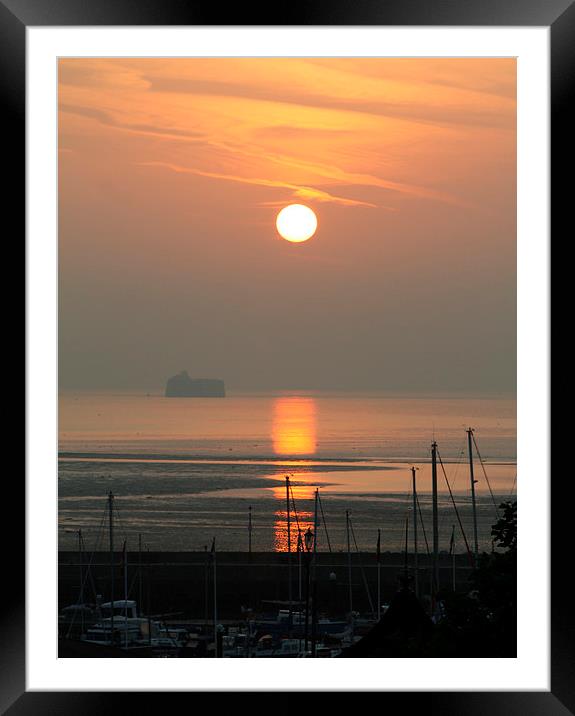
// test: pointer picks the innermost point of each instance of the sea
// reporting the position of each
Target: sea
(187, 473)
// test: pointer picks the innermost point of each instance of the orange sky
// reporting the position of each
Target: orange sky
(172, 172)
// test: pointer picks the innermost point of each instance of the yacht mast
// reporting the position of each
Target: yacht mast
(435, 519)
(415, 560)
(288, 513)
(81, 597)
(406, 551)
(140, 596)
(81, 561)
(216, 655)
(125, 594)
(314, 578)
(111, 537)
(299, 552)
(250, 530)
(472, 481)
(452, 550)
(378, 554)
(349, 565)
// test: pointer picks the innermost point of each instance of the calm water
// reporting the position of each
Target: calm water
(185, 470)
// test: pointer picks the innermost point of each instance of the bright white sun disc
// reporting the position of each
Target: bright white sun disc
(296, 223)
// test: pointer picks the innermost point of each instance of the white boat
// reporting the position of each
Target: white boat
(121, 626)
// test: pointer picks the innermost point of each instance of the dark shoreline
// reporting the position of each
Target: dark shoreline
(300, 461)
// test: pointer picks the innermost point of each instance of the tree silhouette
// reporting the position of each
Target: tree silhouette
(483, 622)
(504, 531)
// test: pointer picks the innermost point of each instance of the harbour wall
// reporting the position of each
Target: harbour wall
(182, 583)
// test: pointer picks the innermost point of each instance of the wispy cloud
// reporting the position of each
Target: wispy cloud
(443, 102)
(325, 130)
(108, 120)
(306, 192)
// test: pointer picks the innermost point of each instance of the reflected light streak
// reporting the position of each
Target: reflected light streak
(305, 519)
(293, 433)
(294, 426)
(300, 494)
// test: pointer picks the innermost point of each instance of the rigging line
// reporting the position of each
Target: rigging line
(100, 532)
(452, 541)
(88, 571)
(123, 564)
(99, 540)
(323, 520)
(132, 584)
(122, 526)
(300, 538)
(90, 576)
(442, 517)
(423, 526)
(294, 506)
(295, 510)
(485, 474)
(512, 488)
(409, 502)
(469, 554)
(135, 575)
(98, 537)
(365, 584)
(405, 530)
(454, 478)
(407, 511)
(82, 551)
(457, 466)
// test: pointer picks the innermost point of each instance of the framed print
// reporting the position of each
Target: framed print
(288, 352)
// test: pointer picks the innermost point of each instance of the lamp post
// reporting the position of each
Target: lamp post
(308, 544)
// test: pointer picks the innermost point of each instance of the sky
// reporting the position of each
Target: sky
(172, 172)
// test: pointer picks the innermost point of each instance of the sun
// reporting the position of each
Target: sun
(296, 223)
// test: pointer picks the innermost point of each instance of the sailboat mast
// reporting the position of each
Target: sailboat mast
(314, 578)
(81, 597)
(206, 585)
(315, 521)
(405, 565)
(250, 567)
(288, 513)
(453, 556)
(216, 655)
(435, 517)
(149, 594)
(300, 548)
(378, 553)
(349, 564)
(415, 556)
(472, 480)
(80, 560)
(125, 593)
(111, 538)
(140, 595)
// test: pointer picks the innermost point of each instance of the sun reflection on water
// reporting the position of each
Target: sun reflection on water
(297, 528)
(293, 434)
(294, 426)
(300, 518)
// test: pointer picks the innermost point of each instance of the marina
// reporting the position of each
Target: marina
(294, 602)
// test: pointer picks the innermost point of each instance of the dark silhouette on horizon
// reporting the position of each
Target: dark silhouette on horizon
(182, 386)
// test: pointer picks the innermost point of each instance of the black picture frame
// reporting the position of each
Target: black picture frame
(559, 16)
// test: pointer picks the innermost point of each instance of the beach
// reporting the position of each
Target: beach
(184, 471)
